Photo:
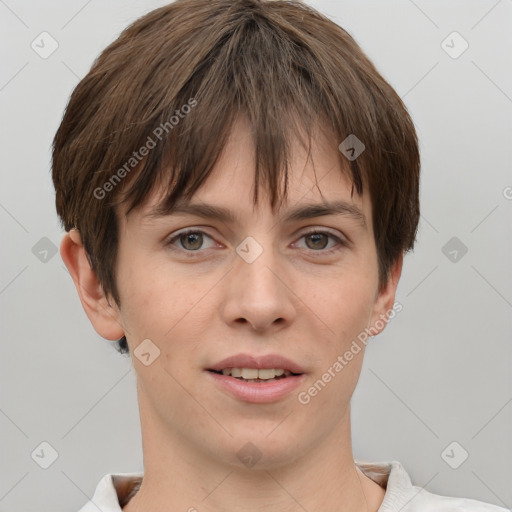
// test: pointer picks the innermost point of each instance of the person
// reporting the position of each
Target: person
(239, 185)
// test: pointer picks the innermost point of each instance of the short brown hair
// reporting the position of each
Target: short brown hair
(281, 63)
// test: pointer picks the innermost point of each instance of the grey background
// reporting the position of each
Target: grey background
(441, 371)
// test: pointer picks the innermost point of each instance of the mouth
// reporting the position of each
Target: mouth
(256, 374)
(257, 379)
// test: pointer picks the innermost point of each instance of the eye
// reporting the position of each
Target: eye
(192, 240)
(317, 241)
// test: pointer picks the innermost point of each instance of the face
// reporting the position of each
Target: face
(293, 296)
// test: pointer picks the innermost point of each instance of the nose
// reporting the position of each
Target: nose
(259, 293)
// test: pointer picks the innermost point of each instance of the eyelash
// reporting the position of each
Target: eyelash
(341, 243)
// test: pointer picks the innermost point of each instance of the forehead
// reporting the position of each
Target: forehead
(318, 183)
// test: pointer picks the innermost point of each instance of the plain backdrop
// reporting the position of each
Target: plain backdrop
(437, 382)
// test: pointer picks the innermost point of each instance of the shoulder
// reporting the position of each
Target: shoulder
(112, 492)
(404, 496)
(418, 499)
(424, 501)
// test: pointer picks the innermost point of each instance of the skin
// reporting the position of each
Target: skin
(294, 299)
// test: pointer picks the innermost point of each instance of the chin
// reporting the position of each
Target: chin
(260, 449)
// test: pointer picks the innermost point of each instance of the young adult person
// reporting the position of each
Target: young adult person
(239, 186)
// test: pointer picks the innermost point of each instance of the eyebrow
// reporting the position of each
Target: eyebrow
(300, 212)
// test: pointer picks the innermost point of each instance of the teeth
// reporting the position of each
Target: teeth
(250, 373)
(265, 373)
(255, 373)
(236, 372)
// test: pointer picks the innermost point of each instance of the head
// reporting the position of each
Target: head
(249, 117)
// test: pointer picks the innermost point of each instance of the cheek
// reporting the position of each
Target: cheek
(344, 304)
(148, 299)
(167, 311)
(347, 314)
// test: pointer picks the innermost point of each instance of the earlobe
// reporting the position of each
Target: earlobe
(385, 299)
(105, 318)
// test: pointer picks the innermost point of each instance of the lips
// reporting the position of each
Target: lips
(257, 362)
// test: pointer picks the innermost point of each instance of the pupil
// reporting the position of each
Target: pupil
(193, 236)
(317, 237)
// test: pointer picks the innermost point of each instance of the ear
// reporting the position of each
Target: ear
(106, 319)
(385, 299)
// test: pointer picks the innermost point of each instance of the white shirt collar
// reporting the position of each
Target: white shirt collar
(401, 495)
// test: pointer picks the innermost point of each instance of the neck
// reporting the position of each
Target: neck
(177, 476)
